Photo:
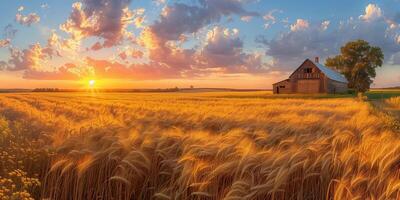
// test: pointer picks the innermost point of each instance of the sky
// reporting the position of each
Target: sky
(200, 43)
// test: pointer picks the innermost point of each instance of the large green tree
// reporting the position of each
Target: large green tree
(358, 61)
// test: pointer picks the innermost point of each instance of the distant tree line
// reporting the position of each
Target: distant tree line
(46, 90)
(176, 89)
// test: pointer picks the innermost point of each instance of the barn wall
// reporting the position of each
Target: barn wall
(309, 81)
(285, 87)
(308, 86)
(299, 79)
(336, 87)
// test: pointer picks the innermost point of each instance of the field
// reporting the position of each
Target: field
(216, 145)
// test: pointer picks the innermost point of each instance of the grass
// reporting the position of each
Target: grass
(216, 145)
(382, 94)
(269, 95)
(373, 94)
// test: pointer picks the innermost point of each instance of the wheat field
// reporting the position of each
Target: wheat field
(230, 146)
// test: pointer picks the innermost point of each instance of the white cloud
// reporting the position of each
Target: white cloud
(324, 39)
(325, 25)
(301, 24)
(372, 12)
(269, 18)
(160, 2)
(21, 8)
(224, 51)
(246, 18)
(44, 6)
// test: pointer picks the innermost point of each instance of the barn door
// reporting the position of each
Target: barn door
(308, 86)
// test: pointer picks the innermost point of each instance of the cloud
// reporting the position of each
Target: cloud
(290, 48)
(137, 54)
(300, 25)
(325, 25)
(223, 47)
(33, 57)
(9, 32)
(65, 72)
(246, 18)
(162, 39)
(372, 12)
(180, 18)
(130, 53)
(222, 53)
(106, 19)
(27, 20)
(104, 69)
(138, 21)
(269, 18)
(115, 70)
(44, 6)
(224, 50)
(3, 65)
(26, 59)
(4, 43)
(97, 46)
(53, 45)
(21, 8)
(165, 58)
(160, 2)
(161, 54)
(164, 52)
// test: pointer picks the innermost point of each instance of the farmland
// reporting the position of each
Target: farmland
(216, 145)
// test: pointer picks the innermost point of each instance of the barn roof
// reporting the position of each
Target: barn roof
(281, 81)
(330, 73)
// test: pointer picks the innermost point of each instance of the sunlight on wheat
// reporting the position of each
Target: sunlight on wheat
(194, 146)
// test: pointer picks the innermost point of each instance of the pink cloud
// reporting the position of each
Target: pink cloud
(4, 43)
(106, 19)
(27, 20)
(164, 56)
(135, 54)
(115, 70)
(301, 24)
(32, 57)
(63, 73)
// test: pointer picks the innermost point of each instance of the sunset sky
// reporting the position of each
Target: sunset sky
(204, 43)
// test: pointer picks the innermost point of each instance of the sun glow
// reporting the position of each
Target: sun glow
(92, 83)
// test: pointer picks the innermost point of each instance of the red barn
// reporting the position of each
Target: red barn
(312, 77)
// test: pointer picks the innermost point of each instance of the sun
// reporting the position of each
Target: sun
(92, 83)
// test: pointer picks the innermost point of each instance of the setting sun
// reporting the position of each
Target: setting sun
(92, 83)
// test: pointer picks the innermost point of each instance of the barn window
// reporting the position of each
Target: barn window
(282, 86)
(308, 70)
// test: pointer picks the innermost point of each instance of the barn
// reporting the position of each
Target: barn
(312, 77)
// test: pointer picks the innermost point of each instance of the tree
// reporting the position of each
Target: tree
(357, 62)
